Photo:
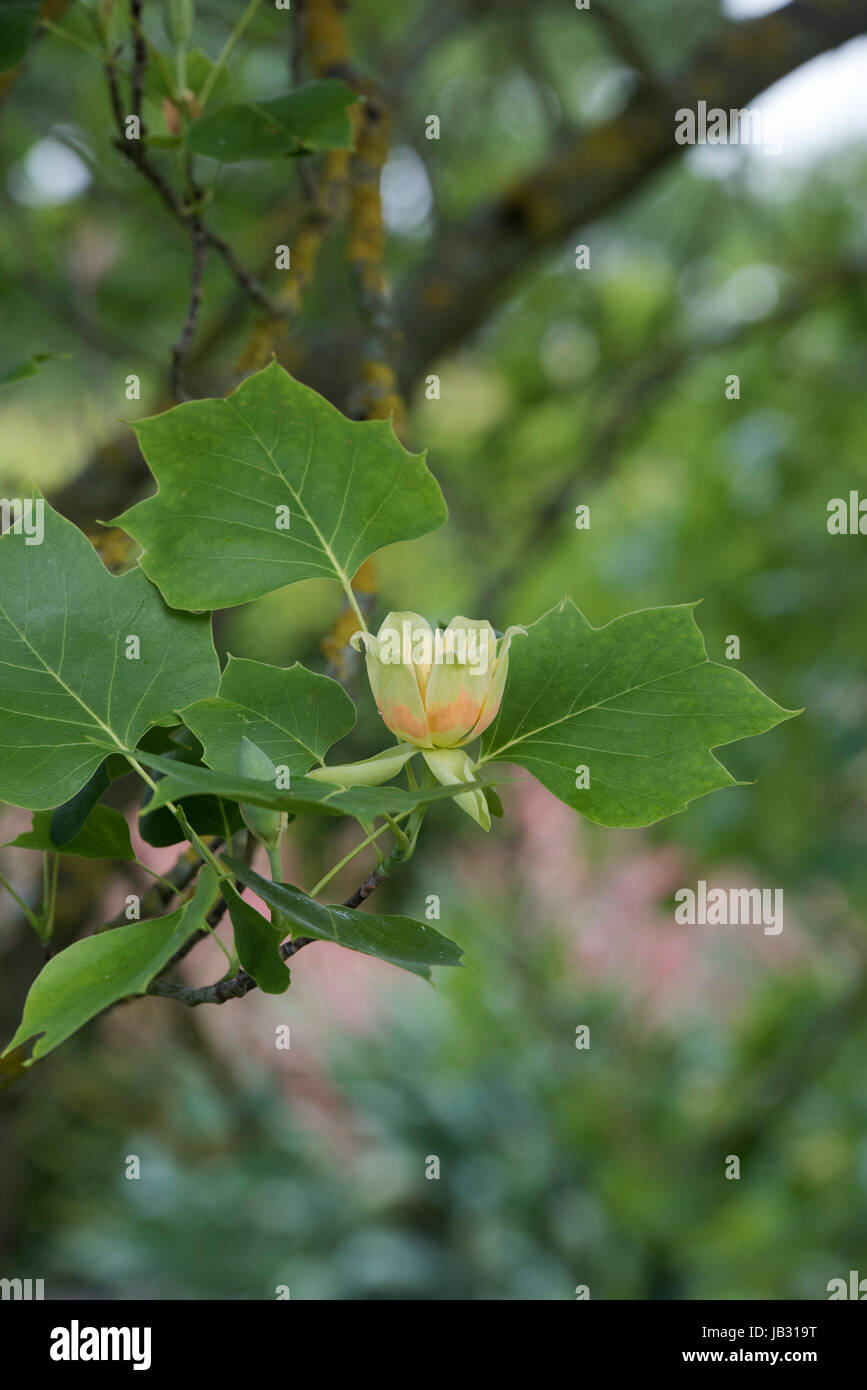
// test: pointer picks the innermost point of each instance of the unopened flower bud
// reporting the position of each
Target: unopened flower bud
(265, 824)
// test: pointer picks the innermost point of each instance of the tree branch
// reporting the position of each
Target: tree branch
(453, 292)
(136, 153)
(242, 983)
(181, 348)
(640, 387)
(476, 258)
(140, 58)
(624, 43)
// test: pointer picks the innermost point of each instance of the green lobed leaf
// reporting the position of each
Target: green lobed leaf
(306, 796)
(208, 815)
(637, 702)
(91, 974)
(293, 715)
(68, 693)
(68, 819)
(18, 20)
(312, 117)
(32, 365)
(103, 835)
(257, 943)
(224, 468)
(399, 940)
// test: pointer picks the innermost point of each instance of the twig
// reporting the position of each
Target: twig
(182, 347)
(213, 919)
(242, 983)
(140, 59)
(136, 153)
(197, 233)
(370, 884)
(297, 44)
(223, 990)
(218, 911)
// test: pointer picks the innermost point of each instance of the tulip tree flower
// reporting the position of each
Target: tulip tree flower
(436, 690)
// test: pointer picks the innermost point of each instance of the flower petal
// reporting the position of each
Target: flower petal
(394, 684)
(460, 680)
(452, 766)
(494, 697)
(370, 772)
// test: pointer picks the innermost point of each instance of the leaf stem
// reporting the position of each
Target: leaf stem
(354, 604)
(166, 882)
(181, 819)
(28, 913)
(275, 864)
(401, 839)
(233, 965)
(228, 46)
(391, 823)
(48, 916)
(77, 42)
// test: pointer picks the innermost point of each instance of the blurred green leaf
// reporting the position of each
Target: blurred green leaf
(32, 365)
(18, 19)
(161, 76)
(313, 117)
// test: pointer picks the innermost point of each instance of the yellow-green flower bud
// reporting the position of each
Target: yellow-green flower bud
(436, 688)
(370, 772)
(439, 689)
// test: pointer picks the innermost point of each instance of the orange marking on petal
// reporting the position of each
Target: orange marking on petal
(460, 714)
(401, 720)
